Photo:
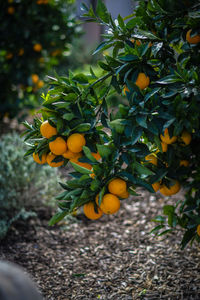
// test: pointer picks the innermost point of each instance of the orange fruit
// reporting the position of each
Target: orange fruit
(56, 52)
(37, 47)
(110, 204)
(71, 155)
(166, 138)
(156, 186)
(96, 155)
(173, 189)
(164, 147)
(90, 212)
(124, 195)
(117, 186)
(152, 159)
(11, 10)
(198, 230)
(40, 84)
(41, 161)
(50, 158)
(21, 52)
(194, 39)
(75, 142)
(142, 81)
(58, 146)
(138, 43)
(184, 163)
(9, 55)
(186, 137)
(47, 130)
(35, 78)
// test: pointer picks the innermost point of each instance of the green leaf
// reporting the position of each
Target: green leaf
(57, 217)
(80, 169)
(80, 78)
(103, 46)
(152, 93)
(169, 79)
(88, 154)
(189, 234)
(142, 170)
(157, 228)
(118, 125)
(142, 34)
(82, 127)
(102, 12)
(104, 150)
(121, 22)
(68, 116)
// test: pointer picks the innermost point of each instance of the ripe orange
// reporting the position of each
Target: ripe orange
(198, 230)
(90, 212)
(117, 186)
(186, 137)
(184, 163)
(110, 204)
(173, 189)
(166, 138)
(194, 39)
(164, 147)
(142, 81)
(41, 161)
(35, 78)
(156, 186)
(58, 146)
(152, 159)
(138, 43)
(47, 130)
(75, 142)
(9, 55)
(37, 47)
(124, 195)
(96, 155)
(21, 52)
(11, 10)
(50, 158)
(71, 155)
(40, 84)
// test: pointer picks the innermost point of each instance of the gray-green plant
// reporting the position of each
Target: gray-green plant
(24, 185)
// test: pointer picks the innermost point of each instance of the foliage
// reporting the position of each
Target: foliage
(35, 36)
(23, 184)
(124, 138)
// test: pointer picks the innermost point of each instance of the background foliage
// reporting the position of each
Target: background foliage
(48, 25)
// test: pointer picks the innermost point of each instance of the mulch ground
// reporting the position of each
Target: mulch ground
(112, 258)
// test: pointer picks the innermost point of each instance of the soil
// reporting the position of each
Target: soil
(114, 257)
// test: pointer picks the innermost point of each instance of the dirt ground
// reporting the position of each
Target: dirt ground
(112, 258)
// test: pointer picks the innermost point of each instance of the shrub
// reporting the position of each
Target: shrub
(23, 184)
(146, 139)
(35, 35)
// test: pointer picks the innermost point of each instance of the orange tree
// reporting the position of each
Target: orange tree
(151, 140)
(34, 35)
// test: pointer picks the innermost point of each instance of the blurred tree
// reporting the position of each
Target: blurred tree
(35, 36)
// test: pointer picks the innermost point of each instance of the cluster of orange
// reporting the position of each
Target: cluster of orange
(36, 81)
(166, 140)
(70, 149)
(110, 204)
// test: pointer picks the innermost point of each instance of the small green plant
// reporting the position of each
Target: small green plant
(23, 184)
